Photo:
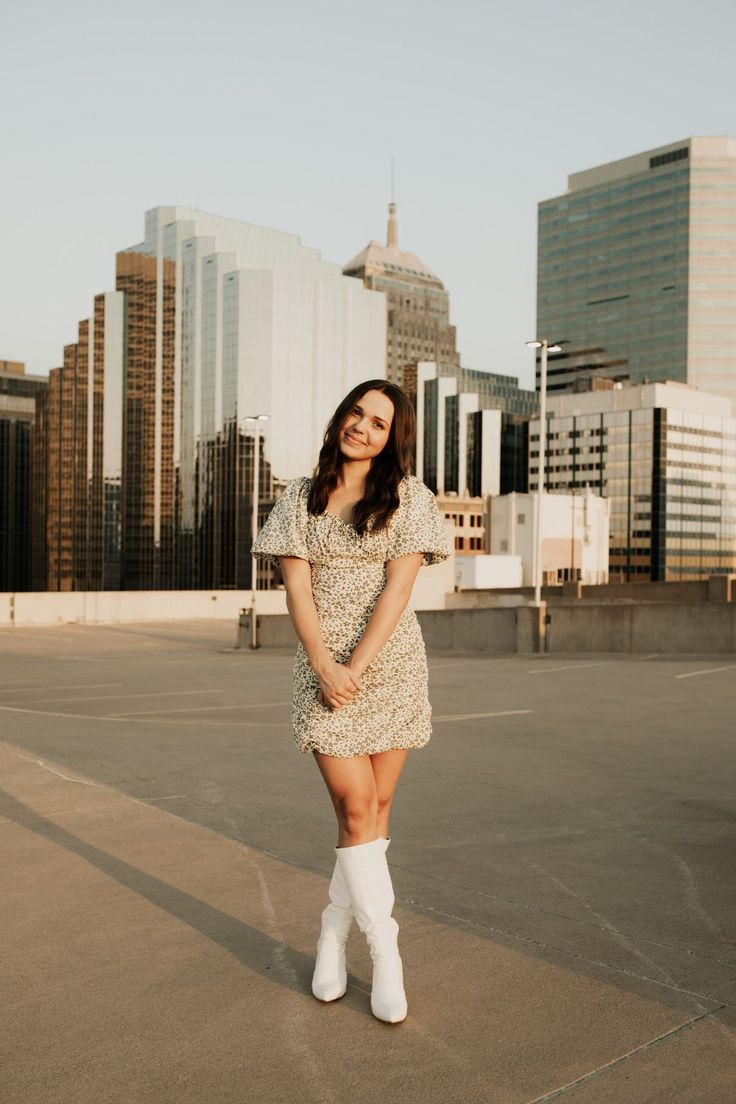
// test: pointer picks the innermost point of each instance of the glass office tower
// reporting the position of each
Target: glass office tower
(665, 457)
(18, 393)
(637, 270)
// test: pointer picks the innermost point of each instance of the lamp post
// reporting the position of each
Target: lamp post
(547, 347)
(254, 525)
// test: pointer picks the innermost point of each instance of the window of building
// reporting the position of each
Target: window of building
(666, 158)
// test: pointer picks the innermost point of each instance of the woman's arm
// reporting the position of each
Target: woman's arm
(338, 684)
(401, 574)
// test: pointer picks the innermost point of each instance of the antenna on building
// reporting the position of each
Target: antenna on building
(392, 239)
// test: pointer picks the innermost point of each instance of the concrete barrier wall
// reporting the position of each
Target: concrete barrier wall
(678, 628)
(455, 630)
(470, 630)
(718, 588)
(96, 606)
(93, 607)
(705, 627)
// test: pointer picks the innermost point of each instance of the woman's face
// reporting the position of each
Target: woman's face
(365, 430)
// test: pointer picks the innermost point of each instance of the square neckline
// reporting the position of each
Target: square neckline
(326, 513)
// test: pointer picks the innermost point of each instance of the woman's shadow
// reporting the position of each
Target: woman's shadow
(263, 955)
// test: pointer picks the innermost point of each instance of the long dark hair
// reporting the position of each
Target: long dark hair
(387, 469)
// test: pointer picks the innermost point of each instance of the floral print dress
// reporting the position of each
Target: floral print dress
(348, 574)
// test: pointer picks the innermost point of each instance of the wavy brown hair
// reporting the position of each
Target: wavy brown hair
(387, 469)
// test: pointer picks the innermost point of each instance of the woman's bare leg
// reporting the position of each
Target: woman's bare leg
(387, 767)
(352, 787)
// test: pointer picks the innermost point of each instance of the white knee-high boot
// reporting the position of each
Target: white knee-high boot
(366, 875)
(330, 979)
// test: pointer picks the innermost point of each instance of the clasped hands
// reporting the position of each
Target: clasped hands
(338, 684)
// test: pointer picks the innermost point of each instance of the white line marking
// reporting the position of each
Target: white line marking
(66, 777)
(63, 686)
(568, 667)
(149, 694)
(133, 720)
(111, 657)
(199, 708)
(21, 685)
(473, 716)
(709, 671)
(465, 662)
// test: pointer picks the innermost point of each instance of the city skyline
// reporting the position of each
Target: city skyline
(274, 129)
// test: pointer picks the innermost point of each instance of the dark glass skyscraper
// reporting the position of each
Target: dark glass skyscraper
(637, 270)
(18, 394)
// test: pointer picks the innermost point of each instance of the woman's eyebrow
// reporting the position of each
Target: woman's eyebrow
(375, 416)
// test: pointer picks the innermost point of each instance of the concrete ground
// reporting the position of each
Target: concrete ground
(563, 858)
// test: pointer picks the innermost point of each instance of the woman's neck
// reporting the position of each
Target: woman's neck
(353, 474)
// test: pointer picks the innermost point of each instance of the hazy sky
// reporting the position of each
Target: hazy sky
(287, 115)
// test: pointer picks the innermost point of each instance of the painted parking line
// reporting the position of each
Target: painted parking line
(149, 694)
(142, 720)
(475, 716)
(708, 671)
(203, 708)
(65, 686)
(567, 667)
(440, 666)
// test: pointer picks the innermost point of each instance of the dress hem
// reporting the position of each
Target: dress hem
(309, 748)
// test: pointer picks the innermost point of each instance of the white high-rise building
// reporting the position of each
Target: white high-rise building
(265, 326)
(212, 322)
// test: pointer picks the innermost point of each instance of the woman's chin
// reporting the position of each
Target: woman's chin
(350, 451)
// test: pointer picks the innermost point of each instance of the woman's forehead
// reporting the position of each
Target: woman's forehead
(376, 403)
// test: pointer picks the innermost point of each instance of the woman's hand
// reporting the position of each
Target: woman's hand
(338, 684)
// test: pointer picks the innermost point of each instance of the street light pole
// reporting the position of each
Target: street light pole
(254, 526)
(546, 347)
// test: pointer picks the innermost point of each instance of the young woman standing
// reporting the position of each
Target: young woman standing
(350, 541)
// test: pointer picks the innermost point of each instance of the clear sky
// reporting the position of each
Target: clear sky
(287, 115)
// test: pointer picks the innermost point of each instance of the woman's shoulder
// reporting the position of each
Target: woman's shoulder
(412, 488)
(299, 485)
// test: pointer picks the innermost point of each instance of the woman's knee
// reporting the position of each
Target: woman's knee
(383, 803)
(356, 812)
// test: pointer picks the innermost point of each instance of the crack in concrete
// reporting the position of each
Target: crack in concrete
(509, 934)
(657, 1041)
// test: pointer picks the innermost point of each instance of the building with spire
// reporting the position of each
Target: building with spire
(418, 306)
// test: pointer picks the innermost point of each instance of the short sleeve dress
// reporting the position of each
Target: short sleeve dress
(348, 574)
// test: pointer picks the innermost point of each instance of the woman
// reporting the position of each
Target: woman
(350, 542)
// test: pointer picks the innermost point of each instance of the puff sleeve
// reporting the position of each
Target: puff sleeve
(285, 530)
(418, 526)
